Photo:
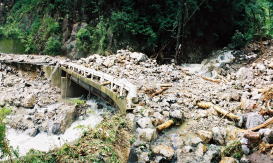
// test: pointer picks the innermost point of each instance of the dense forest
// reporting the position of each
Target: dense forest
(184, 30)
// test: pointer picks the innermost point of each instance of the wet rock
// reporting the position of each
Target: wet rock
(228, 160)
(56, 128)
(253, 120)
(32, 132)
(219, 135)
(145, 122)
(205, 136)
(163, 150)
(146, 134)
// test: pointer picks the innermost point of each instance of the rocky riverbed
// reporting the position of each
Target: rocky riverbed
(188, 98)
(40, 118)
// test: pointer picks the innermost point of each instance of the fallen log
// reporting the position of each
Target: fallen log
(204, 105)
(226, 113)
(252, 136)
(165, 125)
(207, 105)
(160, 91)
(211, 80)
(263, 125)
(165, 85)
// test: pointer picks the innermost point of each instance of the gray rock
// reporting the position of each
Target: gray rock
(205, 136)
(163, 150)
(56, 128)
(109, 62)
(187, 149)
(177, 114)
(145, 122)
(212, 155)
(200, 150)
(29, 101)
(32, 132)
(219, 135)
(143, 157)
(195, 141)
(157, 118)
(146, 134)
(244, 160)
(244, 73)
(254, 119)
(245, 149)
(140, 57)
(260, 67)
(267, 135)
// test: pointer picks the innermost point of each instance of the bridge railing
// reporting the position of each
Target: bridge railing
(121, 86)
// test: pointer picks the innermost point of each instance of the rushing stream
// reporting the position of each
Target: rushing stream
(45, 141)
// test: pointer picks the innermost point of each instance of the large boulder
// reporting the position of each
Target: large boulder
(163, 150)
(140, 57)
(146, 134)
(29, 101)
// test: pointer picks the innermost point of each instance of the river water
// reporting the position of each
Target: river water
(45, 142)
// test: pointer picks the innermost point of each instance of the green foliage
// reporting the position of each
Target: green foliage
(238, 40)
(104, 141)
(83, 40)
(77, 101)
(151, 26)
(4, 147)
(233, 149)
(53, 46)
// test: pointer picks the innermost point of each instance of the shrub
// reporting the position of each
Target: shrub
(83, 38)
(53, 46)
(238, 40)
(4, 147)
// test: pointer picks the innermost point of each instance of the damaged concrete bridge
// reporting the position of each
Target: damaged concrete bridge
(76, 80)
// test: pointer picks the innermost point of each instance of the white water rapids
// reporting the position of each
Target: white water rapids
(45, 142)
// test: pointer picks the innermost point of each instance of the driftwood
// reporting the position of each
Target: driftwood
(226, 113)
(263, 147)
(211, 80)
(204, 105)
(160, 91)
(166, 85)
(165, 125)
(263, 125)
(207, 105)
(252, 136)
